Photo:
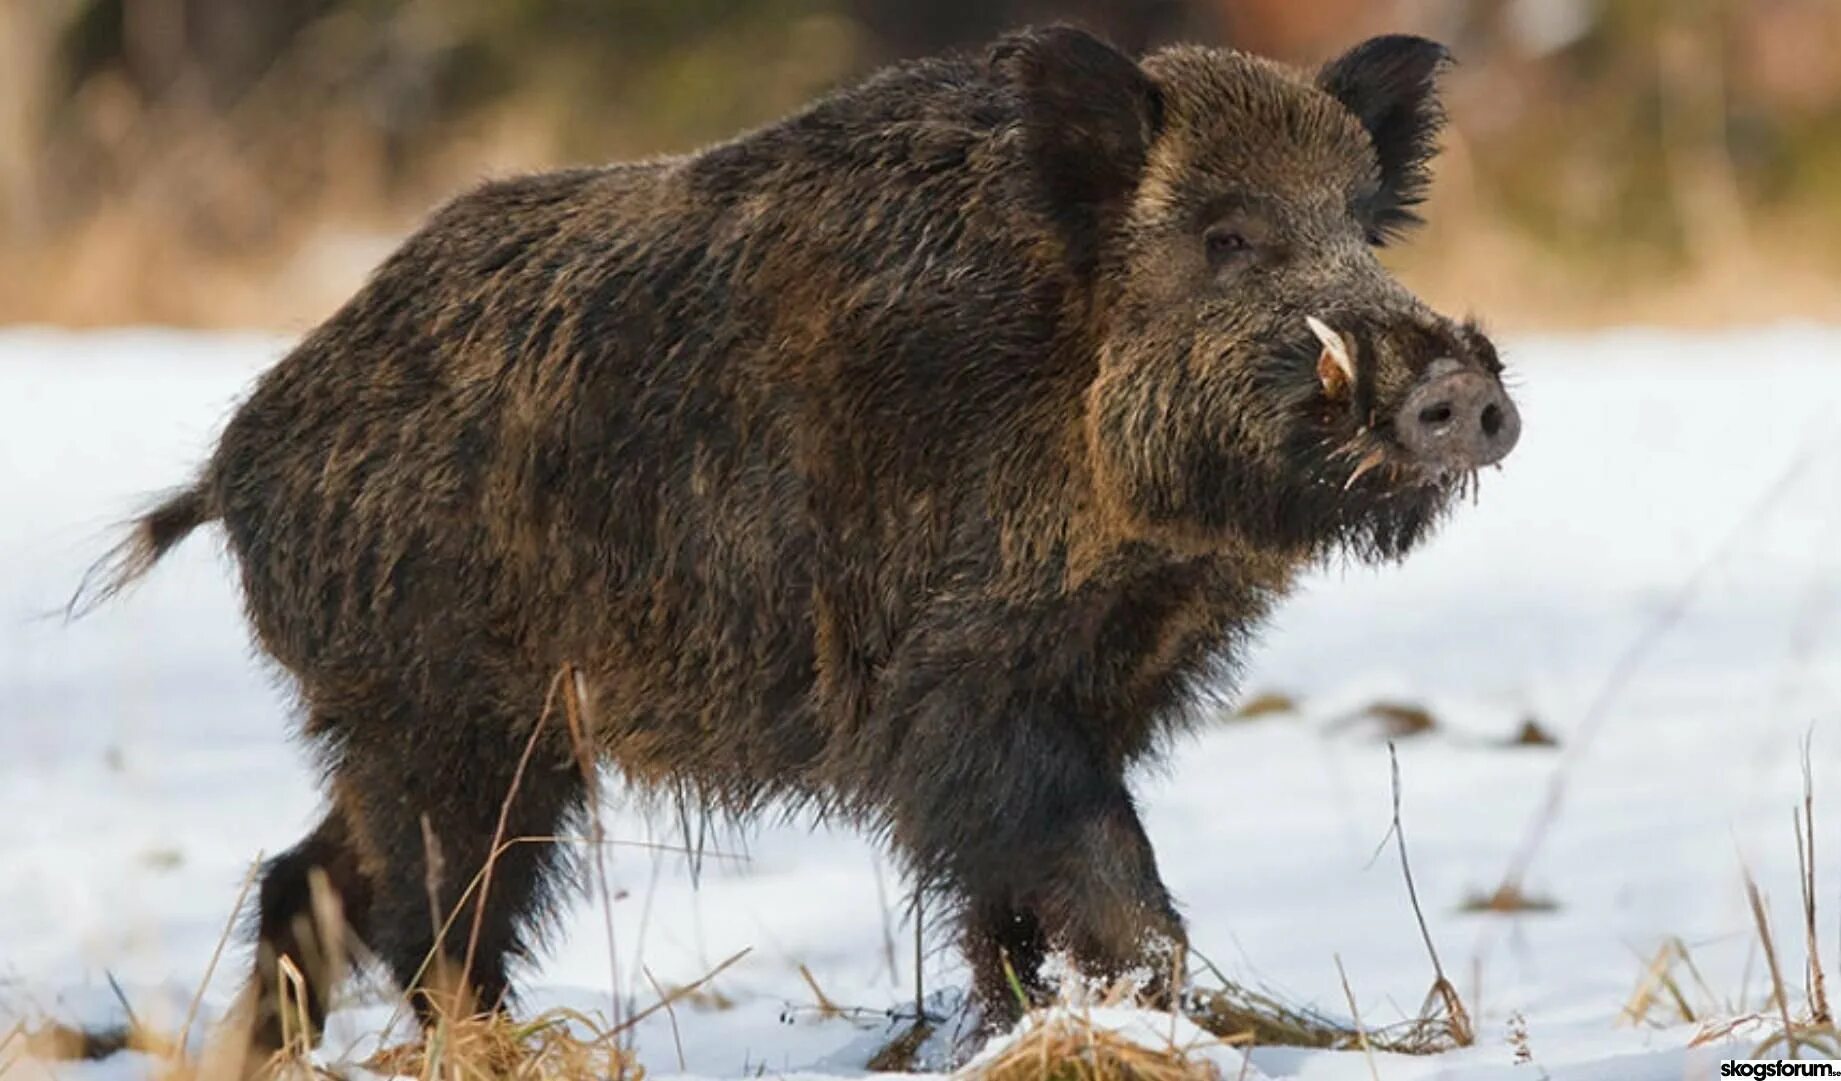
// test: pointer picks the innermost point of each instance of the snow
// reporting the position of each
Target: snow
(1674, 495)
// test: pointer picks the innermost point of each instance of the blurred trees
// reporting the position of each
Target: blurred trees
(1597, 144)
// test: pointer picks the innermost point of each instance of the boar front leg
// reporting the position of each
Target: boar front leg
(1010, 813)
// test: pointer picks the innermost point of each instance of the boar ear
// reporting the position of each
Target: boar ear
(1089, 115)
(1390, 84)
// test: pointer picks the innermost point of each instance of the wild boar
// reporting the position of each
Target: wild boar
(920, 460)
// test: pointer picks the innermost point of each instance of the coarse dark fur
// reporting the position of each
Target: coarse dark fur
(918, 459)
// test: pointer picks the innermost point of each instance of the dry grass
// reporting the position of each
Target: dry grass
(558, 1045)
(54, 1041)
(1060, 1045)
(1388, 720)
(1791, 1029)
(1062, 1050)
(1507, 899)
(1662, 995)
(1443, 1007)
(1266, 704)
(1257, 1017)
(1532, 734)
(1240, 1014)
(1671, 989)
(1236, 1012)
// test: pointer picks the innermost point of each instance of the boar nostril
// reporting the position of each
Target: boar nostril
(1492, 420)
(1457, 419)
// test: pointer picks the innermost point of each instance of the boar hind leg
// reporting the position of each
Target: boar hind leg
(433, 795)
(313, 907)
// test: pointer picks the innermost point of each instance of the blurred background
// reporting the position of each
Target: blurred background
(235, 163)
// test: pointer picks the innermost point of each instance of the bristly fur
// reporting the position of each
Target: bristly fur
(916, 460)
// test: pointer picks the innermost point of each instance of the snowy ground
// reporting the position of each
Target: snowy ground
(144, 758)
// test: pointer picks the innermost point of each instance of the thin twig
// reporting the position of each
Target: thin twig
(1658, 975)
(581, 720)
(291, 990)
(920, 991)
(434, 872)
(676, 1039)
(16, 1034)
(1816, 987)
(1687, 962)
(328, 910)
(1457, 1018)
(826, 1007)
(1355, 1013)
(134, 1023)
(498, 835)
(1398, 832)
(679, 993)
(1745, 977)
(217, 952)
(1770, 957)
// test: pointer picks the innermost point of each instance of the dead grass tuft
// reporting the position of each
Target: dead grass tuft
(55, 1041)
(1265, 704)
(1240, 1014)
(1389, 720)
(1790, 1028)
(1063, 1046)
(1508, 898)
(1790, 1031)
(1532, 734)
(557, 1045)
(1662, 988)
(1235, 1012)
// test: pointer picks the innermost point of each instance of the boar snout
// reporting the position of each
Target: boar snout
(1457, 418)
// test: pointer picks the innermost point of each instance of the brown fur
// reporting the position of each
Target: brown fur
(919, 459)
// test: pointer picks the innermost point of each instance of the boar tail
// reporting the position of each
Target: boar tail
(152, 536)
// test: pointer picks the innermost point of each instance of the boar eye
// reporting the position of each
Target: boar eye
(1226, 245)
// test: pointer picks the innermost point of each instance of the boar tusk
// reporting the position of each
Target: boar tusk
(1330, 339)
(1375, 457)
(1335, 367)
